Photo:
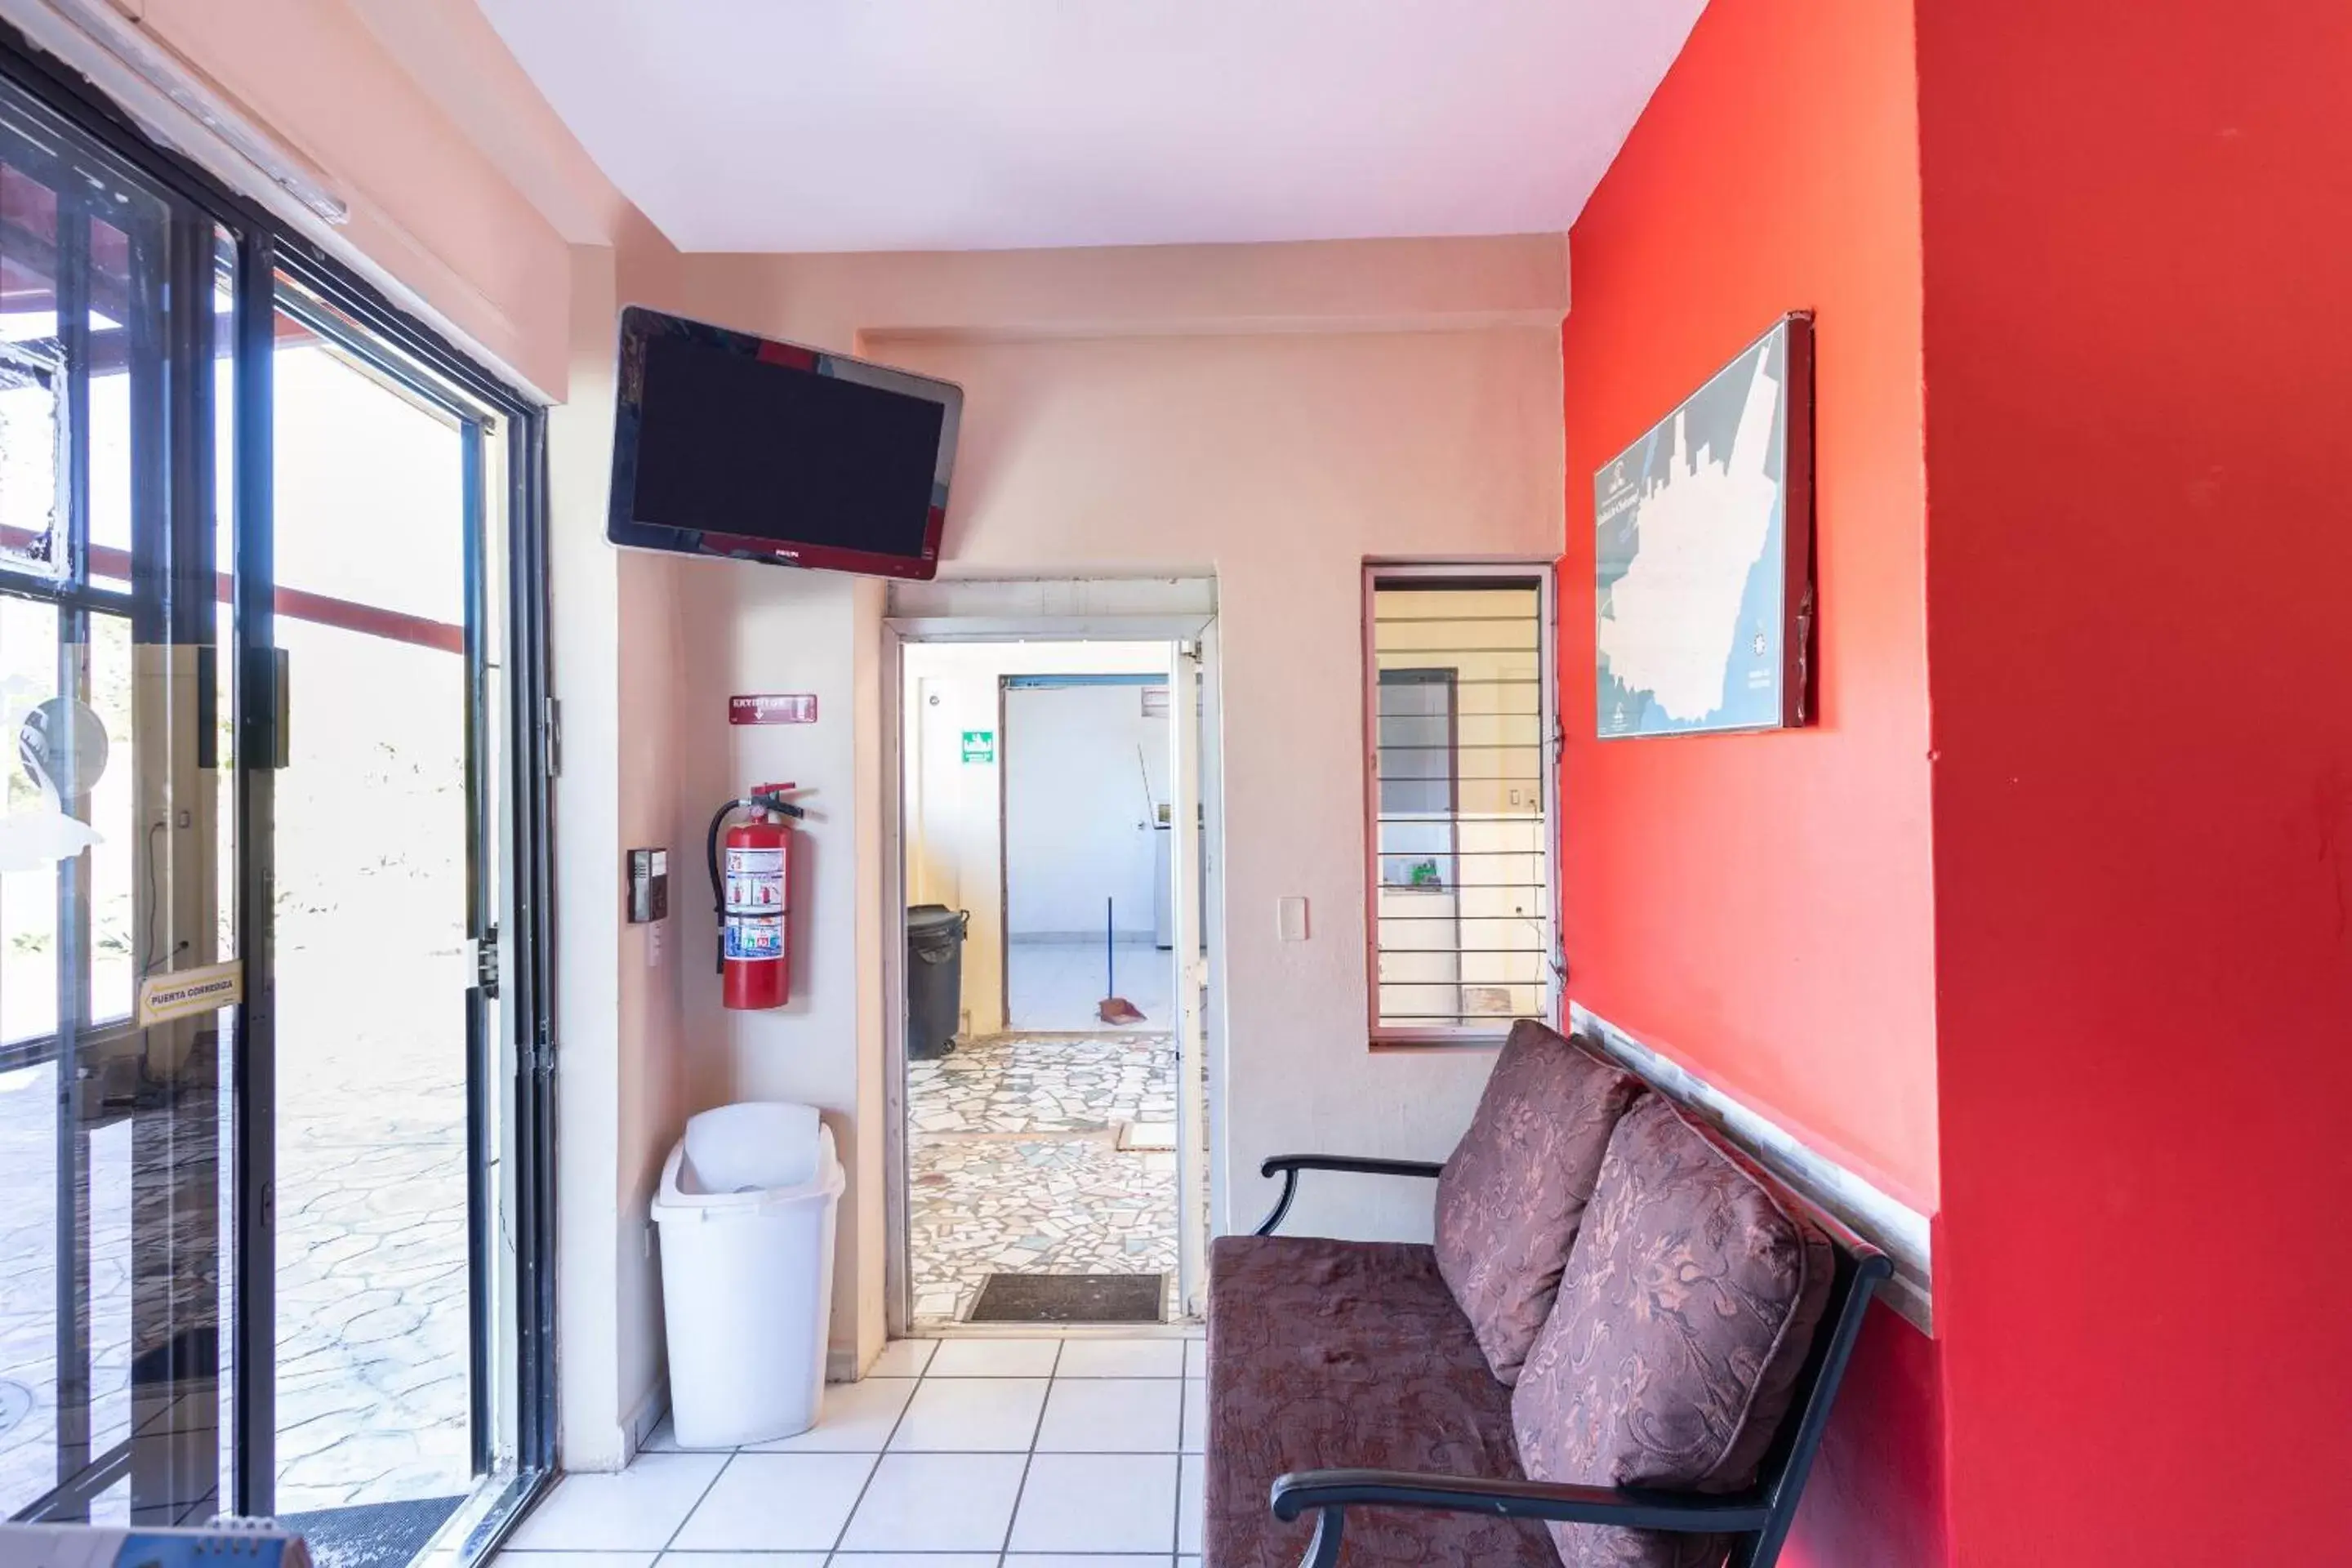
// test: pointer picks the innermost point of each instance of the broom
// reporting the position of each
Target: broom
(1114, 1008)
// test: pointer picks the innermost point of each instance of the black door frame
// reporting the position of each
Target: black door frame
(266, 249)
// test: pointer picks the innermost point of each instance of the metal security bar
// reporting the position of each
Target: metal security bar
(1458, 762)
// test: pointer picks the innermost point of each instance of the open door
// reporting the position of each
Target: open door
(1191, 976)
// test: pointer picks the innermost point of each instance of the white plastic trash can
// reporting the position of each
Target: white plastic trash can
(747, 1273)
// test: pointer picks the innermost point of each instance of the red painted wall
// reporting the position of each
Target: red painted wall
(1761, 907)
(2138, 349)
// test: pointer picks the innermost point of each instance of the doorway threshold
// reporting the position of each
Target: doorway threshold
(372, 1534)
(1020, 1164)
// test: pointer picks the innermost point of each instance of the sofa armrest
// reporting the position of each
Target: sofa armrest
(1332, 1492)
(1289, 1165)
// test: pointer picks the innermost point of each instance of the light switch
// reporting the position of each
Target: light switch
(648, 875)
(1290, 917)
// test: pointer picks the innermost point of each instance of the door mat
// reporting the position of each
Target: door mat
(1069, 1299)
(370, 1535)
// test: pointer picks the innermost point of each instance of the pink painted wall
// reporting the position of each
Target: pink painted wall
(630, 1073)
(1257, 413)
(431, 213)
(1162, 290)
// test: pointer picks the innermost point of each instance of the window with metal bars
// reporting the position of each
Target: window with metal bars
(1459, 750)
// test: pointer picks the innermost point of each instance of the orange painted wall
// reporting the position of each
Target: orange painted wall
(2138, 346)
(1761, 907)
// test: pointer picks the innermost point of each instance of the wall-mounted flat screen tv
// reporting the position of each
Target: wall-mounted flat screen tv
(734, 445)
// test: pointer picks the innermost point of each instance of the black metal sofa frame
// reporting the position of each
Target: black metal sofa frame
(1757, 1518)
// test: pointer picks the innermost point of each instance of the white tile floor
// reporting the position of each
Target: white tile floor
(962, 1453)
(1055, 986)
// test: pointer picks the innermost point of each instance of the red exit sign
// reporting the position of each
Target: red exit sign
(776, 708)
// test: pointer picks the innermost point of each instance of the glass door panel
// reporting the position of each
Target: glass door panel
(377, 838)
(115, 1118)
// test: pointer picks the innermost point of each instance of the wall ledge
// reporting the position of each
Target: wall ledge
(1884, 1220)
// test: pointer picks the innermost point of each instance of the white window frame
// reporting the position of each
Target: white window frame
(1544, 574)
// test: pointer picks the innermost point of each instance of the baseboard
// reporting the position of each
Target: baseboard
(638, 1426)
(577, 1459)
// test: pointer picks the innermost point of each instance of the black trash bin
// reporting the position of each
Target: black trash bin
(934, 979)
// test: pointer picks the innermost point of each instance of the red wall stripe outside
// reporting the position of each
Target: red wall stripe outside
(298, 603)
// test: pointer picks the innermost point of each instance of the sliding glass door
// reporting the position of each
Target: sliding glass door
(274, 1094)
(381, 859)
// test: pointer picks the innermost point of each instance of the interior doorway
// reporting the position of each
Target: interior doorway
(1056, 1112)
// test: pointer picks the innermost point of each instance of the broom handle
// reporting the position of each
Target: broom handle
(1110, 947)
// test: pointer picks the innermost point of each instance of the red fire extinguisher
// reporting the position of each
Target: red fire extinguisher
(750, 890)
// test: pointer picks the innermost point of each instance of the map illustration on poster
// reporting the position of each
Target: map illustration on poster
(1706, 553)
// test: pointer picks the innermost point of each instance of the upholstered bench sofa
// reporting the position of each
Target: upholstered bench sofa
(1620, 1349)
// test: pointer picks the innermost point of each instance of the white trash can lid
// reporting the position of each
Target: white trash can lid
(756, 1146)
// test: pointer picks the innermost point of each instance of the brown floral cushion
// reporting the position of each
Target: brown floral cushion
(1686, 1314)
(1513, 1194)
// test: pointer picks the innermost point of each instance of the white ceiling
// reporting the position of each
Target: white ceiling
(783, 125)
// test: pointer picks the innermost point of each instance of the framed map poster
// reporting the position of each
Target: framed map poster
(1706, 555)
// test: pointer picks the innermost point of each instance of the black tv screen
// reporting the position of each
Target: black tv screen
(729, 444)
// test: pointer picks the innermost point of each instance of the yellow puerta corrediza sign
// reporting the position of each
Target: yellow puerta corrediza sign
(185, 993)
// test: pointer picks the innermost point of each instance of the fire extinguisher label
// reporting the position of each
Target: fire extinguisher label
(755, 937)
(755, 881)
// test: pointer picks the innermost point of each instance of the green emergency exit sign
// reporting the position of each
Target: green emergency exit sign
(980, 745)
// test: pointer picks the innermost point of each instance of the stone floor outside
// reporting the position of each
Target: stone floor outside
(1014, 1144)
(373, 1397)
(374, 1403)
